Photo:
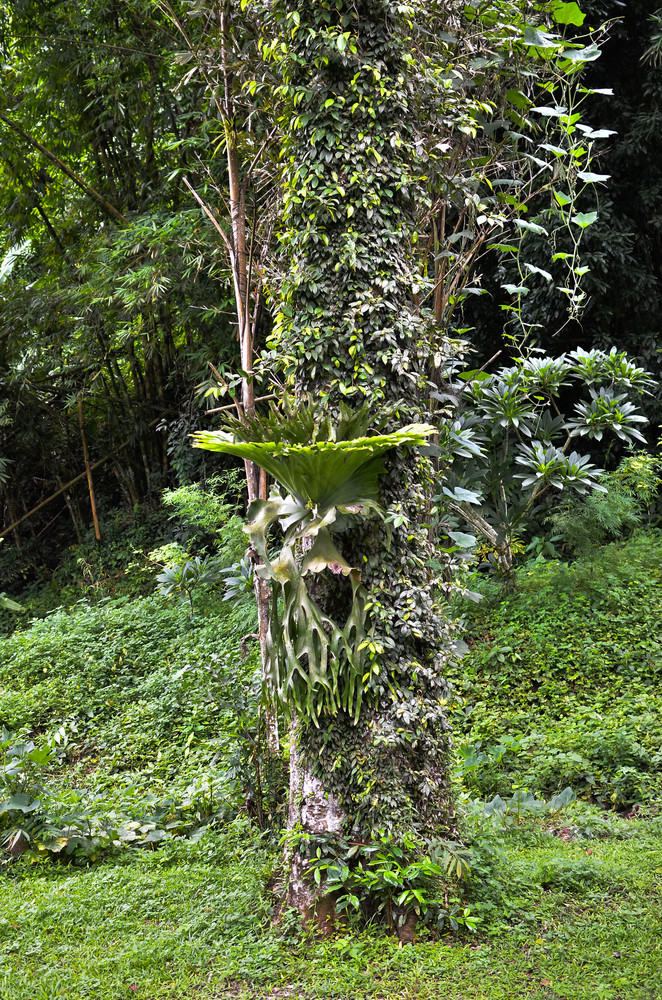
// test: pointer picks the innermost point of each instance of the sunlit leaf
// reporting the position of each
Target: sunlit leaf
(584, 219)
(567, 13)
(591, 178)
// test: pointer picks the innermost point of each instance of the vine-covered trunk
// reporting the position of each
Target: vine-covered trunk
(348, 322)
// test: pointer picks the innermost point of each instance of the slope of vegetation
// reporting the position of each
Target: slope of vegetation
(564, 679)
(154, 865)
(244, 202)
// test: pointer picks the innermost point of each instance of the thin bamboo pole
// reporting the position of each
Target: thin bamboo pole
(88, 470)
(83, 185)
(76, 479)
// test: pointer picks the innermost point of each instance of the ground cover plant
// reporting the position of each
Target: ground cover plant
(564, 893)
(493, 800)
(561, 684)
(134, 717)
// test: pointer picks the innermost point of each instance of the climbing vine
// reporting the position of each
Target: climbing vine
(347, 327)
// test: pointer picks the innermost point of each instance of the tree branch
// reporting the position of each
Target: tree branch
(83, 185)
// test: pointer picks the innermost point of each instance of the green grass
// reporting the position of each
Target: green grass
(197, 922)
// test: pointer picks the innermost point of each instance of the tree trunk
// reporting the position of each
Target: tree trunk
(352, 332)
(312, 812)
(407, 929)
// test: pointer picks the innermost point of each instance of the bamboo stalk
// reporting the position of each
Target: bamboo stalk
(88, 470)
(76, 479)
(83, 185)
(259, 399)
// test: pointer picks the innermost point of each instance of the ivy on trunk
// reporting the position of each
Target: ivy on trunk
(347, 323)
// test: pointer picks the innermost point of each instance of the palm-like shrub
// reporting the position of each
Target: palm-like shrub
(508, 443)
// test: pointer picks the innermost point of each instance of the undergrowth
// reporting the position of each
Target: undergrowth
(561, 683)
(151, 862)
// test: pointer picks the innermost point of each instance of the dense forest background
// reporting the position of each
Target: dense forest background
(116, 300)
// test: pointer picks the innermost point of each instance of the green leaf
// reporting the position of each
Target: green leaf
(40, 755)
(323, 474)
(567, 13)
(19, 802)
(591, 178)
(461, 495)
(587, 54)
(555, 112)
(584, 219)
(561, 799)
(598, 133)
(538, 270)
(540, 39)
(475, 375)
(531, 226)
(517, 98)
(463, 540)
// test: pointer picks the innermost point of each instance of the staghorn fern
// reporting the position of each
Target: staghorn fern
(322, 474)
(327, 468)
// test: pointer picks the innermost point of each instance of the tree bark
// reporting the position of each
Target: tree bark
(312, 811)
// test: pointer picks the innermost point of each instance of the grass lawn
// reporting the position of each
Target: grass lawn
(195, 921)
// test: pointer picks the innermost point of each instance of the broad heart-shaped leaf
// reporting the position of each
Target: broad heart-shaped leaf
(462, 539)
(584, 219)
(567, 13)
(541, 39)
(462, 495)
(496, 806)
(586, 54)
(323, 474)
